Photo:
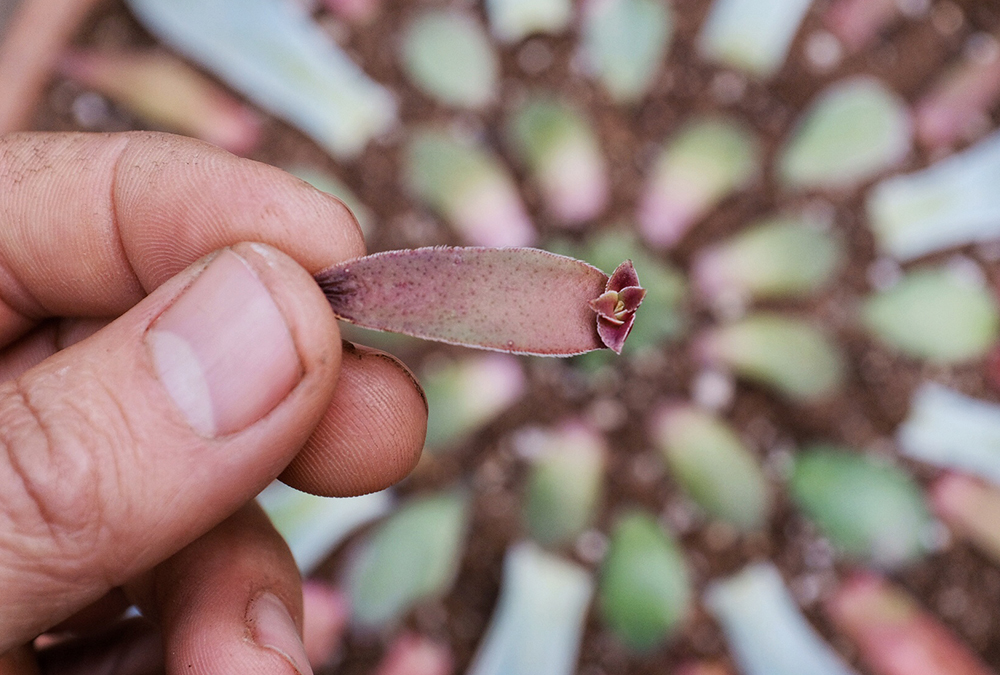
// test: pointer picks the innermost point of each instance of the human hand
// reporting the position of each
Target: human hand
(151, 388)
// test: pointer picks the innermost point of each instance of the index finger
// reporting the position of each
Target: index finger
(91, 223)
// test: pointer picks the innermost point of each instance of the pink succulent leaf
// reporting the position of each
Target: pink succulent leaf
(606, 306)
(623, 277)
(613, 335)
(632, 297)
(518, 300)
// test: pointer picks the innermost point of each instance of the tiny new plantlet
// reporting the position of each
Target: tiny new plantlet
(518, 300)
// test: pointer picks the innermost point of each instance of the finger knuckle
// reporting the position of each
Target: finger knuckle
(62, 453)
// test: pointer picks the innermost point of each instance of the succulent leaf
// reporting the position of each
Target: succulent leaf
(624, 43)
(447, 54)
(869, 510)
(410, 557)
(538, 624)
(765, 629)
(484, 298)
(895, 636)
(970, 509)
(953, 203)
(513, 20)
(935, 314)
(469, 187)
(853, 131)
(707, 161)
(787, 354)
(750, 36)
(714, 467)
(644, 588)
(275, 54)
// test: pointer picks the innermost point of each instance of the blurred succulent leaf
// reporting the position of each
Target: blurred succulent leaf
(784, 353)
(717, 471)
(765, 629)
(564, 157)
(857, 22)
(663, 317)
(469, 187)
(750, 35)
(778, 257)
(704, 163)
(703, 668)
(412, 654)
(465, 394)
(410, 557)
(854, 130)
(167, 92)
(894, 635)
(275, 54)
(488, 298)
(332, 185)
(953, 203)
(624, 44)
(538, 624)
(935, 314)
(513, 20)
(314, 526)
(971, 510)
(644, 587)
(950, 430)
(448, 56)
(564, 482)
(355, 11)
(869, 510)
(962, 96)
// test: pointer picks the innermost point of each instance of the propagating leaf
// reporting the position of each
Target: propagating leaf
(971, 510)
(448, 56)
(624, 44)
(314, 526)
(894, 635)
(564, 480)
(513, 20)
(561, 150)
(538, 623)
(766, 631)
(953, 203)
(468, 393)
(751, 35)
(778, 257)
(935, 314)
(707, 161)
(469, 187)
(869, 510)
(272, 52)
(488, 298)
(787, 354)
(948, 429)
(713, 466)
(167, 92)
(644, 588)
(855, 130)
(410, 557)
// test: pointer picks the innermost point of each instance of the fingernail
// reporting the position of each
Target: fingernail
(223, 350)
(272, 628)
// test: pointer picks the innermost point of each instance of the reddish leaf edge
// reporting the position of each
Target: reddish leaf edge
(614, 309)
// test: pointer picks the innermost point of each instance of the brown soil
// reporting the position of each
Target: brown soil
(958, 584)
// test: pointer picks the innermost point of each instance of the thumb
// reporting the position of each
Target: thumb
(120, 450)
